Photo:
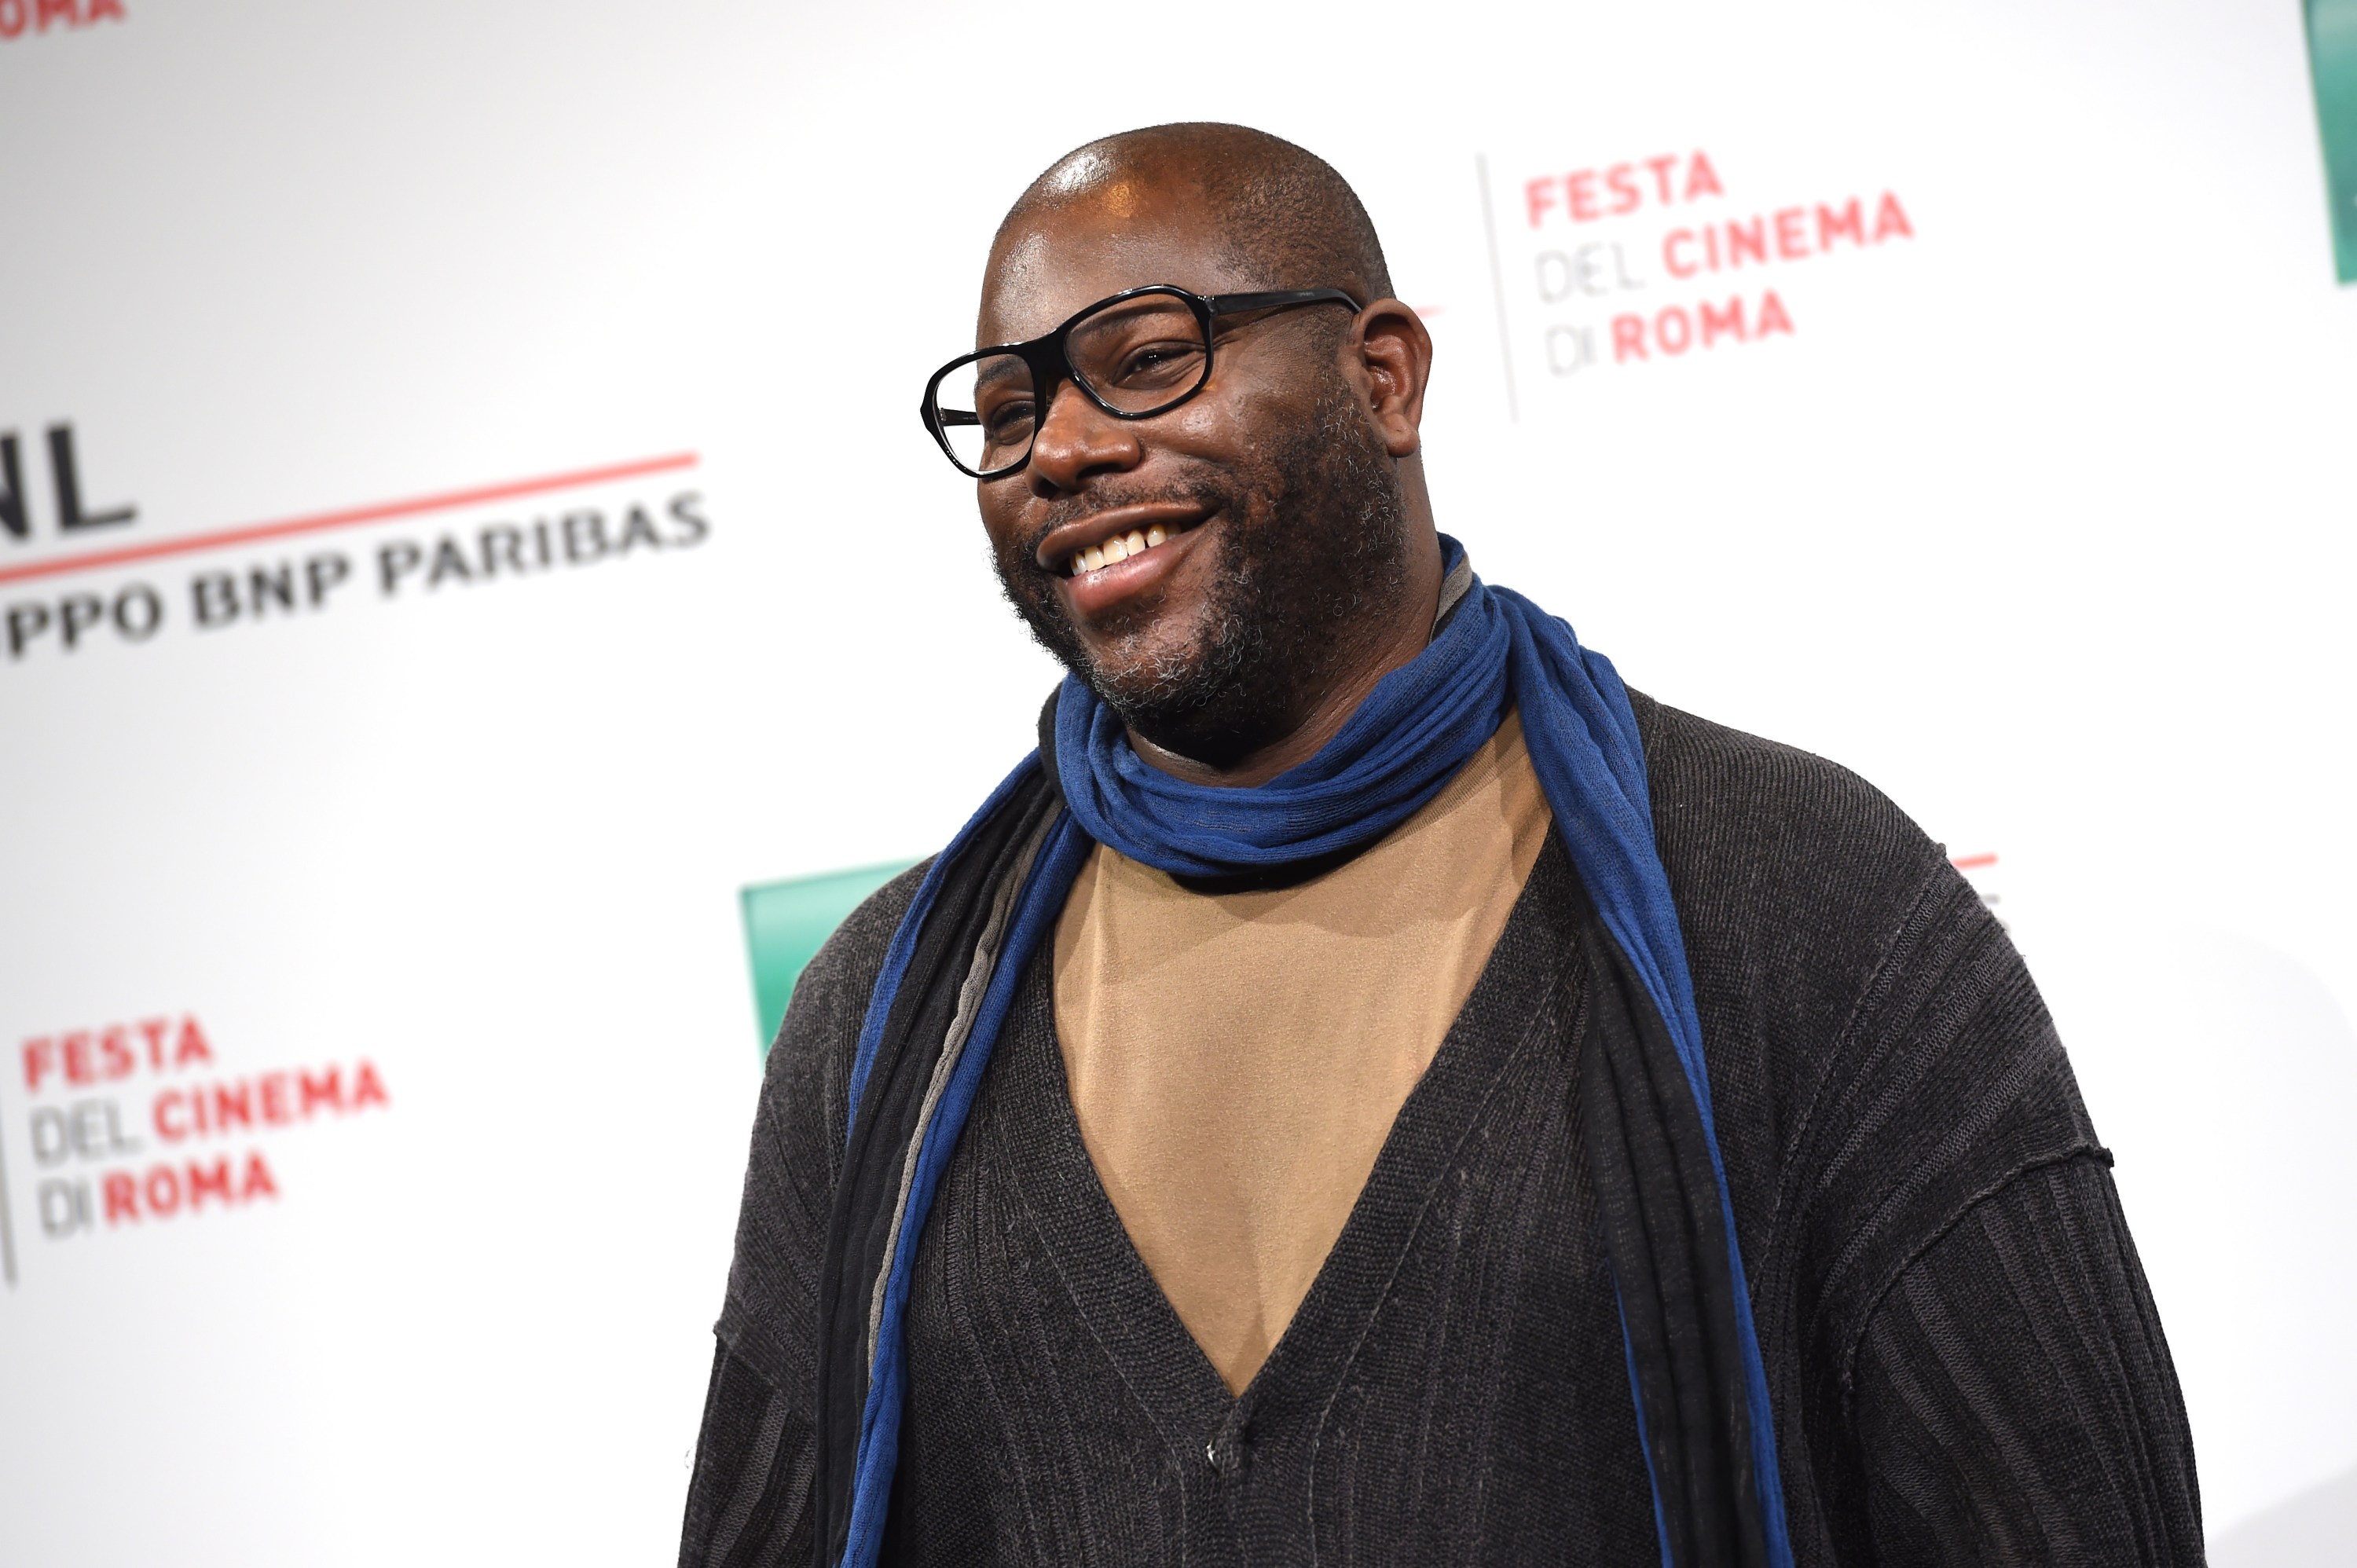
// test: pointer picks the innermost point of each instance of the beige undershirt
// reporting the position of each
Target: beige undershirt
(1236, 1059)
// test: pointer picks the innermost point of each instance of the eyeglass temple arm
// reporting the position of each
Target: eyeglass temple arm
(1230, 303)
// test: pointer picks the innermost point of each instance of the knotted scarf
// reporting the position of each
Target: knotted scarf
(993, 897)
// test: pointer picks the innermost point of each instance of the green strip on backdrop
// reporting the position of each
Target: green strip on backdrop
(2332, 61)
(786, 922)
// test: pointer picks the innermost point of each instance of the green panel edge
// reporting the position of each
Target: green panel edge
(787, 922)
(2333, 65)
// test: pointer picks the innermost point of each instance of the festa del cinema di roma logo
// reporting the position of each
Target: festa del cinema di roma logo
(1634, 263)
(138, 1123)
(291, 582)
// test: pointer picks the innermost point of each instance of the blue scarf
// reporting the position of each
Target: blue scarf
(993, 897)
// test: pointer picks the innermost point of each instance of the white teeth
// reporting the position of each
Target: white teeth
(1120, 547)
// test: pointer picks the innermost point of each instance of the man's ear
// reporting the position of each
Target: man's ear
(1390, 356)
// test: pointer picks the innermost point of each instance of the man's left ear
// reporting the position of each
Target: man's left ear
(1390, 358)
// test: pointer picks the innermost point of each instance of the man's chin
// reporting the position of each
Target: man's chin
(1152, 679)
(1133, 659)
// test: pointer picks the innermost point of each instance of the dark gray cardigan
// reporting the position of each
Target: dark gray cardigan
(1965, 1358)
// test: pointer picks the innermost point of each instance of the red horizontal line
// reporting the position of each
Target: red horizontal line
(347, 518)
(1973, 861)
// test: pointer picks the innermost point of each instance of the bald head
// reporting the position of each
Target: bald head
(1282, 217)
(1230, 572)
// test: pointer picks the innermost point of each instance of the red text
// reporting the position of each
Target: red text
(80, 1058)
(268, 1099)
(1788, 234)
(1674, 330)
(164, 1191)
(40, 16)
(1586, 195)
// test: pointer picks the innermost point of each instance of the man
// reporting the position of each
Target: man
(1374, 1088)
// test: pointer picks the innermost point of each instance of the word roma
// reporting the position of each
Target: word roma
(1673, 329)
(158, 1193)
(1669, 331)
(165, 1187)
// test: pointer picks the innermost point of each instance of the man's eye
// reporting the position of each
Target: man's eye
(1156, 361)
(1010, 418)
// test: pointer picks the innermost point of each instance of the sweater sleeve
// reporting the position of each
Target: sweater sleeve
(748, 1502)
(1963, 1354)
(750, 1498)
(2013, 1397)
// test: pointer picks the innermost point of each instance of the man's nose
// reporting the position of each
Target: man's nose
(1077, 439)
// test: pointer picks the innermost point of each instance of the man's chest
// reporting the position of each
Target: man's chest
(1450, 1388)
(1236, 1061)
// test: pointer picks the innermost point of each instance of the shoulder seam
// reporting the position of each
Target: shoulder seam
(2082, 1150)
(730, 1330)
(1919, 916)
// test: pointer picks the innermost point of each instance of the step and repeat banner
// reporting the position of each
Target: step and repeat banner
(466, 540)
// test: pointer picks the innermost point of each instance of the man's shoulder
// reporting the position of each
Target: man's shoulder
(798, 1138)
(1800, 887)
(1742, 815)
(1864, 1007)
(809, 1061)
(846, 964)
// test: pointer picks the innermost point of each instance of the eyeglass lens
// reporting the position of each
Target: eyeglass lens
(1136, 355)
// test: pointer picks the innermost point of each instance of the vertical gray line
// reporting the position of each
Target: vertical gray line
(8, 1235)
(1497, 286)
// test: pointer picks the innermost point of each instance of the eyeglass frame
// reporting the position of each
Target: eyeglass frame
(1049, 359)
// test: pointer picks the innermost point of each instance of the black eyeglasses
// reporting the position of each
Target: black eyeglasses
(1141, 352)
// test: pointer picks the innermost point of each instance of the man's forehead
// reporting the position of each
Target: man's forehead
(1057, 259)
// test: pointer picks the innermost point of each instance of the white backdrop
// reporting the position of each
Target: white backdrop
(2039, 515)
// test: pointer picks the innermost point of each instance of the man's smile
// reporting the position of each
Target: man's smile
(1121, 551)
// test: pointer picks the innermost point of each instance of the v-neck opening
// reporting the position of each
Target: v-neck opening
(1159, 1359)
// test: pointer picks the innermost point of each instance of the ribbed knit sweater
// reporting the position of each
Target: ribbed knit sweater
(1965, 1358)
